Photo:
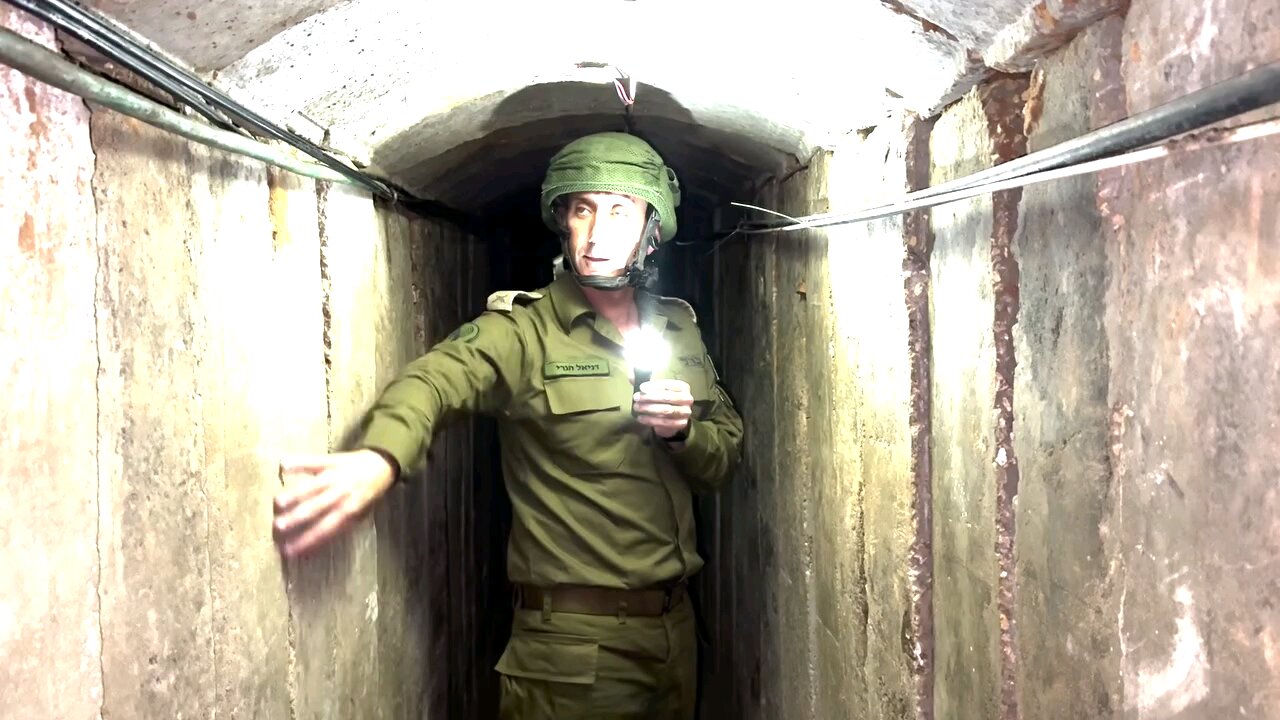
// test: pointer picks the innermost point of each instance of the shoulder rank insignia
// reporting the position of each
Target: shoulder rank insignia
(679, 303)
(504, 300)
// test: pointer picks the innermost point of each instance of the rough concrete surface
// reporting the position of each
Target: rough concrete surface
(835, 463)
(792, 512)
(240, 386)
(159, 640)
(337, 653)
(401, 625)
(198, 287)
(762, 456)
(1066, 614)
(298, 353)
(209, 35)
(181, 319)
(874, 391)
(976, 27)
(738, 647)
(1041, 28)
(917, 236)
(1003, 101)
(966, 625)
(50, 638)
(1193, 311)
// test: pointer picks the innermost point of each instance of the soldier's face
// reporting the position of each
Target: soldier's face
(604, 229)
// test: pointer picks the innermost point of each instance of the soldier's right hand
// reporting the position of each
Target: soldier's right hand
(325, 495)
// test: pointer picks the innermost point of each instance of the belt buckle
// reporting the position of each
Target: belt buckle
(666, 600)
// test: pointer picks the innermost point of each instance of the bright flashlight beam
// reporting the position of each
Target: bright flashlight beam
(646, 351)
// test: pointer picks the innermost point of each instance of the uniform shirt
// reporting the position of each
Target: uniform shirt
(597, 498)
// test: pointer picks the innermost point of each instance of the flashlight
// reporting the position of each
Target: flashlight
(645, 352)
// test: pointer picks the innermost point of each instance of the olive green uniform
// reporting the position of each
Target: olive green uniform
(597, 499)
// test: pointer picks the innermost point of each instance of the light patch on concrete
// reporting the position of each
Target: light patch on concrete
(1166, 688)
(1270, 650)
(1218, 297)
(8, 626)
(205, 34)
(1202, 45)
(359, 65)
(49, 635)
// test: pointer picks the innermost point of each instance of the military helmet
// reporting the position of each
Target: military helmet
(612, 162)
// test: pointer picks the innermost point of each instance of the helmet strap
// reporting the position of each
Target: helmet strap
(636, 276)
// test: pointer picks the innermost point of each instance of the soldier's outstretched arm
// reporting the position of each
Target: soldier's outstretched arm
(472, 370)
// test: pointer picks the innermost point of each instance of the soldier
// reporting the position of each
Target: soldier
(600, 472)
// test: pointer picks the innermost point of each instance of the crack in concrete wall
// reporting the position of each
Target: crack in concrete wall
(97, 416)
(282, 237)
(326, 309)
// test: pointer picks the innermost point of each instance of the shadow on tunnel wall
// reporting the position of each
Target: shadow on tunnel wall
(497, 175)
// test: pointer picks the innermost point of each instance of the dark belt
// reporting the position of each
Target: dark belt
(600, 601)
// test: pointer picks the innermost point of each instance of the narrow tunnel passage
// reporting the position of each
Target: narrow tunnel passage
(1004, 456)
(498, 178)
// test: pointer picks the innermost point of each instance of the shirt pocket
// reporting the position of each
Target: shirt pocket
(587, 423)
(575, 396)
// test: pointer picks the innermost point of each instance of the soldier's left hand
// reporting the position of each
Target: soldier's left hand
(664, 405)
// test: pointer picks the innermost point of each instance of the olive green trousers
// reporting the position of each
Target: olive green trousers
(565, 666)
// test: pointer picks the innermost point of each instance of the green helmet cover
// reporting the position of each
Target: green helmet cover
(612, 162)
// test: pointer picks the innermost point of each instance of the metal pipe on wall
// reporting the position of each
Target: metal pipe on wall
(51, 68)
(193, 91)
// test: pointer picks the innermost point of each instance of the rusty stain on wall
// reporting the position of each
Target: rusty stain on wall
(1002, 100)
(918, 236)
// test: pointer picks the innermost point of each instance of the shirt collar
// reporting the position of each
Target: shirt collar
(571, 305)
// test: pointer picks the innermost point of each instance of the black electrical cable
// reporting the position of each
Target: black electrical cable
(181, 84)
(1249, 91)
(121, 54)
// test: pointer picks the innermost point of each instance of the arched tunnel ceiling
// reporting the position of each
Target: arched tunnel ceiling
(462, 102)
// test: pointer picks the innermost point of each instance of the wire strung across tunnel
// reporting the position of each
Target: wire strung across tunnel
(1112, 146)
(1197, 141)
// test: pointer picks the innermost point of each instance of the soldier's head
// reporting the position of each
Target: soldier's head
(612, 200)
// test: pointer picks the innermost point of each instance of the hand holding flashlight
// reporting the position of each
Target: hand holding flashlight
(664, 405)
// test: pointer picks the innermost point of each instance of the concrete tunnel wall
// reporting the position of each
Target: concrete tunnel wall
(175, 318)
(1013, 457)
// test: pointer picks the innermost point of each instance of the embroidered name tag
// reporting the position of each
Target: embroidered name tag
(575, 368)
(691, 361)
